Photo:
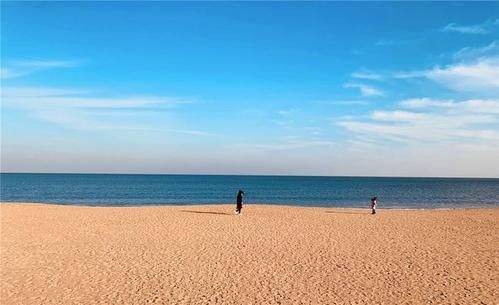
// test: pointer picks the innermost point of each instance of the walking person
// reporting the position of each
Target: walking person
(239, 202)
(374, 202)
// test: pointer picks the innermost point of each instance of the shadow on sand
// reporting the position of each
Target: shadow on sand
(203, 212)
(347, 212)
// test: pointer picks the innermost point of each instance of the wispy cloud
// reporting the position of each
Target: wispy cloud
(365, 90)
(286, 117)
(398, 116)
(426, 102)
(288, 144)
(35, 98)
(392, 42)
(19, 68)
(468, 106)
(482, 75)
(471, 122)
(343, 102)
(366, 75)
(425, 121)
(474, 70)
(43, 64)
(470, 29)
(472, 53)
(285, 112)
(483, 28)
(83, 110)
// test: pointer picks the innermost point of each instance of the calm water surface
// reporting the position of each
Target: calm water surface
(103, 189)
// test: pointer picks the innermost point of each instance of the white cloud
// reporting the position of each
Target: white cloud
(482, 28)
(472, 53)
(30, 92)
(367, 75)
(425, 102)
(398, 116)
(436, 122)
(365, 90)
(344, 102)
(423, 134)
(482, 106)
(42, 98)
(79, 109)
(472, 105)
(471, 29)
(19, 68)
(479, 76)
(84, 120)
(43, 64)
(284, 112)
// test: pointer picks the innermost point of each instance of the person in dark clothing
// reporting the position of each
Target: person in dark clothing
(374, 202)
(239, 202)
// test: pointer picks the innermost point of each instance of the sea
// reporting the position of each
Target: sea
(142, 190)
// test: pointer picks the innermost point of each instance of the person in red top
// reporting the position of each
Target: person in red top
(374, 202)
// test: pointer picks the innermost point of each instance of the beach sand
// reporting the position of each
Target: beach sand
(54, 254)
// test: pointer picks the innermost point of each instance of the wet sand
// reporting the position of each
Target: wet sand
(53, 254)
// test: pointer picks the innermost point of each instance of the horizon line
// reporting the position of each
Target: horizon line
(256, 175)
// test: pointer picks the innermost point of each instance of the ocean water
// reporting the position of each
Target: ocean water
(110, 189)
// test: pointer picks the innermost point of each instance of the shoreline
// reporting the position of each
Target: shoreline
(246, 205)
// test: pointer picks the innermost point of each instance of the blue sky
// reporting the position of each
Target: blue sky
(321, 88)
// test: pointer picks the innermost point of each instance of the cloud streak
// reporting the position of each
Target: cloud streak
(479, 76)
(462, 129)
(481, 29)
(367, 75)
(365, 90)
(474, 70)
(426, 122)
(33, 97)
(20, 68)
(82, 110)
(472, 53)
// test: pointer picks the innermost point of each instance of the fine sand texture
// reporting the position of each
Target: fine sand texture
(54, 254)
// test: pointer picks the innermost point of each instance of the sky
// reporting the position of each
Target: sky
(281, 88)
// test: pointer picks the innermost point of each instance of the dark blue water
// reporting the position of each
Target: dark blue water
(97, 189)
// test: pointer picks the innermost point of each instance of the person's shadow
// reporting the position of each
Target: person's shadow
(205, 212)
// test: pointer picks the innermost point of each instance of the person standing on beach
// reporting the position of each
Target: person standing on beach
(374, 202)
(239, 202)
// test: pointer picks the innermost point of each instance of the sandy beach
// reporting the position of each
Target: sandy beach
(54, 254)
